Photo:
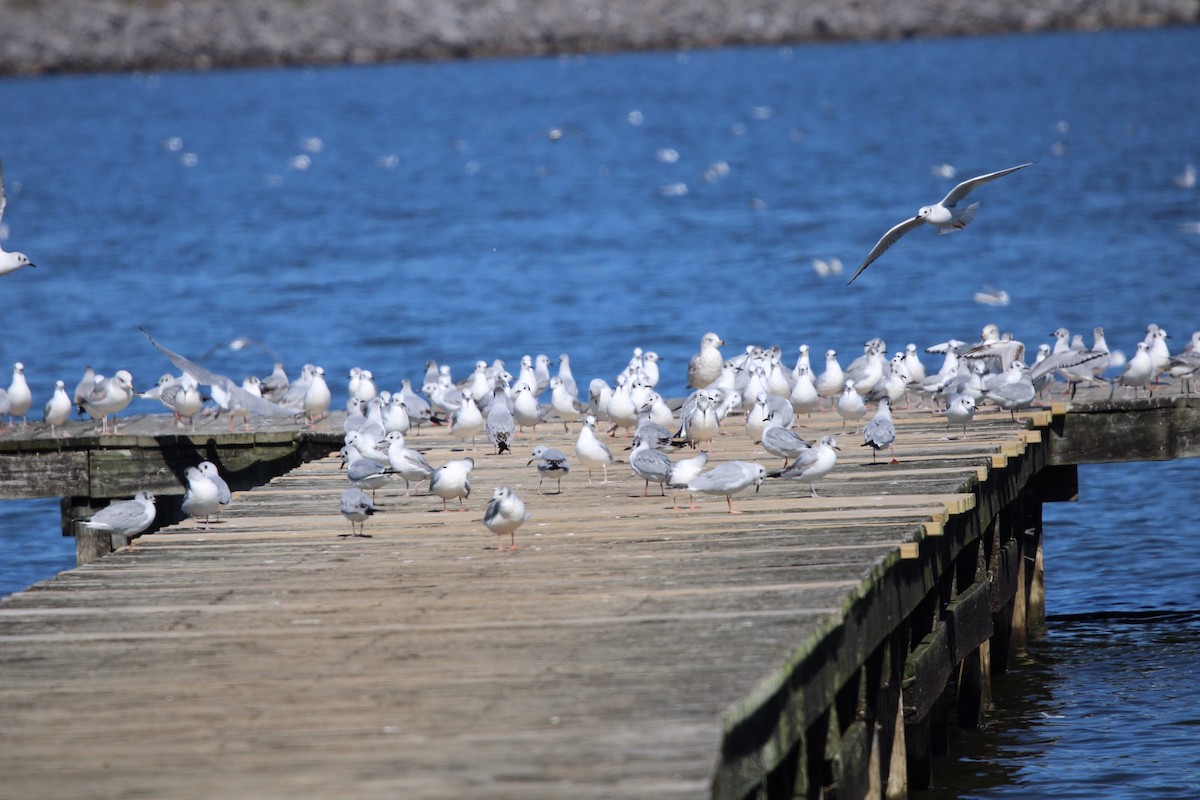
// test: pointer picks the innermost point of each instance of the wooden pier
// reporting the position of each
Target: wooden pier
(626, 650)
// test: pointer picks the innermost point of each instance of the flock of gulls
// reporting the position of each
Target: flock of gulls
(494, 404)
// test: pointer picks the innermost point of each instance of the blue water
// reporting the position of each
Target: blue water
(439, 218)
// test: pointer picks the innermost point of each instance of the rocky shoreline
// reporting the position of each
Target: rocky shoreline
(52, 36)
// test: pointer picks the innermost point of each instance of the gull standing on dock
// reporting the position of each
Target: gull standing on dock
(9, 262)
(832, 380)
(109, 396)
(649, 465)
(881, 431)
(452, 479)
(592, 452)
(945, 215)
(959, 410)
(364, 472)
(406, 462)
(729, 479)
(202, 498)
(467, 421)
(850, 406)
(564, 403)
(499, 425)
(126, 518)
(813, 464)
(224, 496)
(550, 461)
(317, 398)
(20, 398)
(58, 408)
(505, 513)
(1139, 371)
(705, 366)
(356, 507)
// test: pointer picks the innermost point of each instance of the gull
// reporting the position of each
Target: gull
(550, 461)
(541, 372)
(880, 432)
(183, 399)
(960, 409)
(894, 384)
(564, 403)
(58, 408)
(649, 465)
(756, 418)
(566, 376)
(109, 396)
(729, 479)
(84, 387)
(499, 425)
(293, 397)
(912, 362)
(363, 472)
(368, 447)
(356, 507)
(599, 393)
(125, 518)
(202, 498)
(650, 372)
(804, 397)
(525, 409)
(622, 411)
(274, 385)
(467, 422)
(1156, 338)
(781, 441)
(592, 452)
(991, 296)
(317, 398)
(395, 415)
(252, 386)
(850, 406)
(452, 479)
(225, 393)
(1139, 370)
(830, 382)
(946, 216)
(659, 437)
(705, 366)
(682, 473)
(1015, 392)
(418, 407)
(19, 397)
(698, 419)
(9, 261)
(814, 463)
(505, 513)
(224, 496)
(406, 462)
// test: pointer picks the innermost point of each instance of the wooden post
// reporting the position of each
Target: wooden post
(89, 544)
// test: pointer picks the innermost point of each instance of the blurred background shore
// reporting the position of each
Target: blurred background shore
(49, 36)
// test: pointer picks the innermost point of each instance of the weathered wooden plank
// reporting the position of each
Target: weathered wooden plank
(45, 474)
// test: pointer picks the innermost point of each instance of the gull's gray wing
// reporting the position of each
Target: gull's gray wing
(1064, 360)
(223, 385)
(887, 241)
(965, 188)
